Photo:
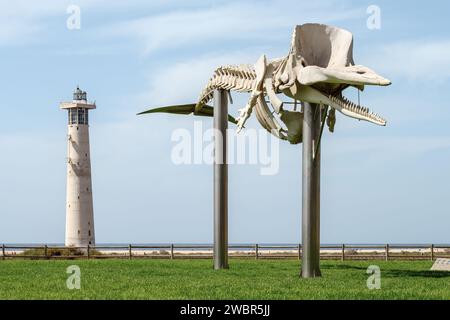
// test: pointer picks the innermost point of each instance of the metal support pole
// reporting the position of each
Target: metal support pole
(130, 252)
(256, 251)
(3, 252)
(220, 180)
(311, 192)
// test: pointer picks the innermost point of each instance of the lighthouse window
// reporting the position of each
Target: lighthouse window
(72, 116)
(81, 117)
(78, 116)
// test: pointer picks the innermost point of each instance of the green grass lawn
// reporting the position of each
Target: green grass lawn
(195, 279)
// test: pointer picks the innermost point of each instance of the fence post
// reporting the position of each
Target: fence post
(343, 252)
(88, 251)
(130, 254)
(256, 251)
(46, 251)
(387, 252)
(299, 251)
(432, 252)
(3, 252)
(171, 252)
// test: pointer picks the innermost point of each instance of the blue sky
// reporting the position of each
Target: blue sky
(379, 184)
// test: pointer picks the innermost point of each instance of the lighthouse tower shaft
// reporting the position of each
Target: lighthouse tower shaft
(79, 205)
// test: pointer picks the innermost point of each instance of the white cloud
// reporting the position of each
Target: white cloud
(19, 20)
(416, 60)
(226, 22)
(25, 21)
(163, 24)
(388, 147)
(183, 81)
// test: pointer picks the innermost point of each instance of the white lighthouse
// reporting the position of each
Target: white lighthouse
(79, 207)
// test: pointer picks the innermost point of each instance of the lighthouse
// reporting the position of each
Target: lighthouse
(79, 205)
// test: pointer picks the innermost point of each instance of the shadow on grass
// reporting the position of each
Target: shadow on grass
(394, 272)
(417, 273)
(342, 266)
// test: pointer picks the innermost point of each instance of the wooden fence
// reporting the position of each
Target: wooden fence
(257, 251)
